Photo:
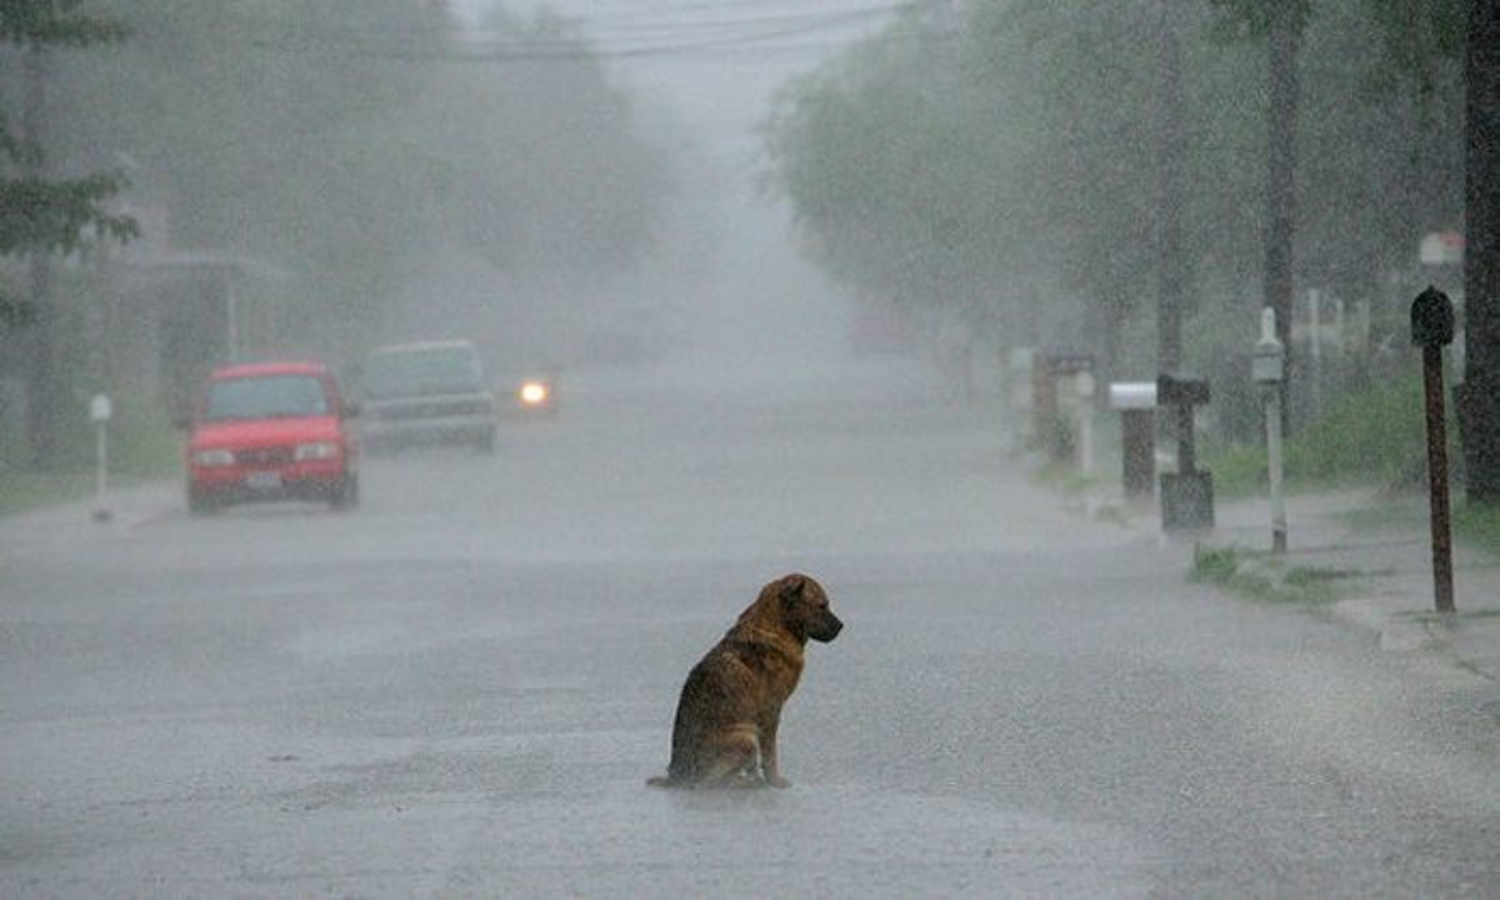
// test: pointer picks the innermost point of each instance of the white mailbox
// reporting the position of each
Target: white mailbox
(1132, 395)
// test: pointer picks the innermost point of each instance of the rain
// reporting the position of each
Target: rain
(400, 398)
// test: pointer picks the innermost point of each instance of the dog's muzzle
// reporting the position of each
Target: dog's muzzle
(828, 629)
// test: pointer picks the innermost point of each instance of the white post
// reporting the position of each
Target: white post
(100, 411)
(1273, 461)
(1085, 386)
(232, 314)
(1267, 371)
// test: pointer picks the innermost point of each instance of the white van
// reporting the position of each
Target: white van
(428, 392)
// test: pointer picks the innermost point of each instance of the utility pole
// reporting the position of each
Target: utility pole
(1170, 160)
(1479, 399)
(42, 395)
(1281, 180)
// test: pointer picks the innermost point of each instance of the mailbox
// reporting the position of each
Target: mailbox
(1187, 496)
(1132, 395)
(1432, 319)
(1268, 365)
(1174, 391)
(1136, 401)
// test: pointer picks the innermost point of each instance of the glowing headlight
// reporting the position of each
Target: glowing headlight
(320, 450)
(533, 393)
(213, 458)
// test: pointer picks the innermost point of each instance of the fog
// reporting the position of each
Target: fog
(827, 288)
(752, 307)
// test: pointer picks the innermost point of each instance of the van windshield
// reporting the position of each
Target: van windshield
(434, 370)
(265, 397)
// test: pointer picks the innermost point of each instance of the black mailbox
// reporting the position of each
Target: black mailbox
(1187, 495)
(1173, 391)
(1432, 319)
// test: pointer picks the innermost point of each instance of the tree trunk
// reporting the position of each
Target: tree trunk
(1479, 402)
(1281, 170)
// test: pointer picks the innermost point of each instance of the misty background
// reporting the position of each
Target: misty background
(730, 189)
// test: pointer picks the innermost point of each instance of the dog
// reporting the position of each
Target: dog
(724, 734)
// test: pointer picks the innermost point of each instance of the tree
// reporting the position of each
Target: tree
(1419, 36)
(1281, 23)
(351, 143)
(1480, 399)
(41, 216)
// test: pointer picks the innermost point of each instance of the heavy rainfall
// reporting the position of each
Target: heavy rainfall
(399, 398)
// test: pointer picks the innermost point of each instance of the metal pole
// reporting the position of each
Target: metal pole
(1273, 460)
(1437, 467)
(1086, 439)
(101, 509)
(1187, 457)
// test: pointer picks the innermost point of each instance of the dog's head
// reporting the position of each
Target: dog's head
(804, 608)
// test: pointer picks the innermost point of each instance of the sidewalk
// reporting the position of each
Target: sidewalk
(128, 507)
(1385, 547)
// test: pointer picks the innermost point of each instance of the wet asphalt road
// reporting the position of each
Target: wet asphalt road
(460, 688)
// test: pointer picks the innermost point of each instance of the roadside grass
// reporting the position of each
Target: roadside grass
(1267, 578)
(142, 444)
(1478, 525)
(1374, 437)
(1474, 525)
(1431, 617)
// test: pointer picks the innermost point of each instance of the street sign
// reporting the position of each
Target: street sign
(100, 409)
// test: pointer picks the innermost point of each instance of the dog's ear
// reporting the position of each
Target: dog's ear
(791, 588)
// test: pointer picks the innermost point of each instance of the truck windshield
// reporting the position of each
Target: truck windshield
(434, 370)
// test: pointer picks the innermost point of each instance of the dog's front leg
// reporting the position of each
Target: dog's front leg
(769, 765)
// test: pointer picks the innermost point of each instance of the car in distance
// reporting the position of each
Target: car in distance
(427, 392)
(271, 431)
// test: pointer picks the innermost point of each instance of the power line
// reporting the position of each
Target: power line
(757, 34)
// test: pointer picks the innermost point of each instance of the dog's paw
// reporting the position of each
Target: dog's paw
(778, 782)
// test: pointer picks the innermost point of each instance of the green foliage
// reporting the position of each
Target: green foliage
(143, 446)
(39, 214)
(1268, 578)
(999, 161)
(1479, 525)
(1419, 37)
(1374, 437)
(1256, 18)
(52, 23)
(346, 142)
(45, 214)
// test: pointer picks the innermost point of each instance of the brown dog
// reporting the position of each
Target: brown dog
(725, 731)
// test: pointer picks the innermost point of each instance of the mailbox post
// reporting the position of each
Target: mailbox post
(1267, 369)
(1432, 329)
(1083, 383)
(1136, 402)
(1187, 496)
(101, 411)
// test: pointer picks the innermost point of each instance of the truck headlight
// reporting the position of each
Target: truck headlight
(320, 450)
(534, 393)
